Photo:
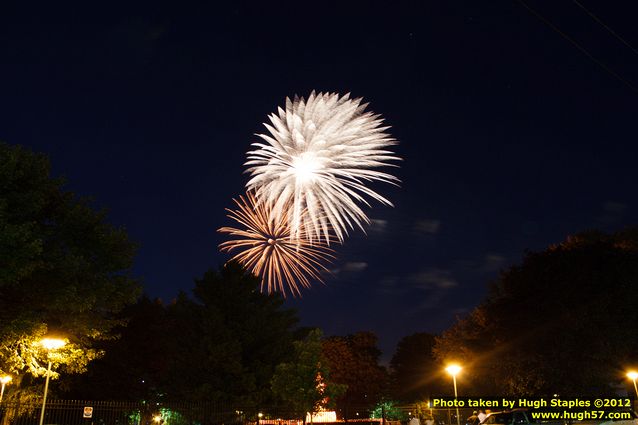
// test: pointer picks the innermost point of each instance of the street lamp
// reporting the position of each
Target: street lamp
(5, 380)
(49, 344)
(633, 375)
(453, 370)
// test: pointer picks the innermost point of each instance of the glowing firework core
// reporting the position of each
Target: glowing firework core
(305, 167)
(318, 156)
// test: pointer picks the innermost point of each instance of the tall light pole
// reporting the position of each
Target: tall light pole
(49, 344)
(453, 370)
(633, 375)
(5, 380)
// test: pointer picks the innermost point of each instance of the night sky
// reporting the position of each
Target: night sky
(512, 138)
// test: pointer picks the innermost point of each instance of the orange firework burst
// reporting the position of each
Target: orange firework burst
(269, 251)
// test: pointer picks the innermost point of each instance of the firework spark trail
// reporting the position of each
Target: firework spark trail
(317, 158)
(268, 251)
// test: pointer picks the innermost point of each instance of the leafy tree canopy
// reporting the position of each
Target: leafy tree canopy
(354, 362)
(304, 383)
(415, 373)
(561, 322)
(221, 345)
(388, 410)
(63, 268)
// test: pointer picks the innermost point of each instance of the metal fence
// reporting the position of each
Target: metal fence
(79, 412)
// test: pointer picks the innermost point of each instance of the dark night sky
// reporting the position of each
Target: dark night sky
(512, 138)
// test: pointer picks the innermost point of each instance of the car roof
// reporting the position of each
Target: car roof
(503, 412)
(518, 409)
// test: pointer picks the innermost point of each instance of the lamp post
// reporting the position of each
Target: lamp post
(49, 344)
(5, 380)
(633, 375)
(453, 370)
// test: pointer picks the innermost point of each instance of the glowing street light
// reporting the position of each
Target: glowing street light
(52, 343)
(5, 380)
(453, 370)
(633, 375)
(49, 344)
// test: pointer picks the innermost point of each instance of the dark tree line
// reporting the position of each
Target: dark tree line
(416, 374)
(354, 362)
(560, 322)
(231, 343)
(223, 345)
(64, 271)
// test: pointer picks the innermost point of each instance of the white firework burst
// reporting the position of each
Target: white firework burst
(318, 157)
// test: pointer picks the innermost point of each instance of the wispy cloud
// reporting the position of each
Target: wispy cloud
(350, 267)
(390, 285)
(459, 311)
(433, 278)
(613, 212)
(489, 263)
(377, 225)
(354, 266)
(389, 280)
(426, 288)
(427, 226)
(493, 262)
(428, 302)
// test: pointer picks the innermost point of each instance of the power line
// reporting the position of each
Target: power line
(611, 31)
(579, 47)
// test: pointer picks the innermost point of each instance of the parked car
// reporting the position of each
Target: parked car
(517, 417)
(522, 417)
(509, 417)
(632, 421)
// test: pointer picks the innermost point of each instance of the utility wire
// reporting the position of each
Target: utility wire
(611, 31)
(579, 47)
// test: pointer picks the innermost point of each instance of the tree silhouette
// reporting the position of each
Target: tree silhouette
(415, 373)
(63, 268)
(561, 322)
(354, 362)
